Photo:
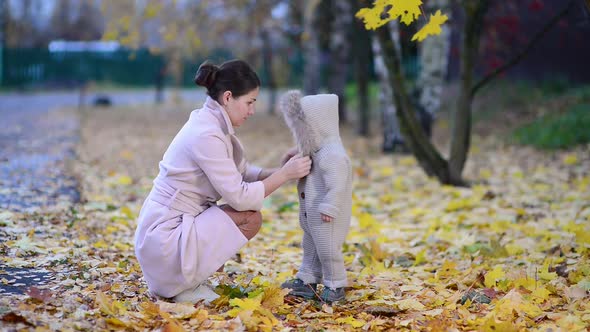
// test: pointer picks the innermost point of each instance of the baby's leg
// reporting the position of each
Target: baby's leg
(310, 270)
(328, 238)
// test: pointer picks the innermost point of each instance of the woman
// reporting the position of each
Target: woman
(182, 235)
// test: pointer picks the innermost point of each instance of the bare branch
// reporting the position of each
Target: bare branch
(524, 52)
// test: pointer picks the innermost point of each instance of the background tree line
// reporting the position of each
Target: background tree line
(482, 40)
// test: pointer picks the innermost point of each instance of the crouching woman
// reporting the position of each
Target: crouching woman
(183, 236)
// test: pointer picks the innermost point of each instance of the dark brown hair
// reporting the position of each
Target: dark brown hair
(234, 75)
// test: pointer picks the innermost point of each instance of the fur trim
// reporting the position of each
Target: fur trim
(290, 105)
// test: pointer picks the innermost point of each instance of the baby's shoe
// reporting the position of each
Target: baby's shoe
(201, 292)
(330, 295)
(301, 289)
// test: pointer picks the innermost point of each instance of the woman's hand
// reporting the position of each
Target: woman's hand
(288, 155)
(326, 218)
(296, 167)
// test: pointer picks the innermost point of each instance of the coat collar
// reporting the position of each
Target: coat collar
(218, 111)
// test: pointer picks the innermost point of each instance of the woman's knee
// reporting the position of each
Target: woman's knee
(249, 222)
(251, 225)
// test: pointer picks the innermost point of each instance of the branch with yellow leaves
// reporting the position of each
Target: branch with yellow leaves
(407, 11)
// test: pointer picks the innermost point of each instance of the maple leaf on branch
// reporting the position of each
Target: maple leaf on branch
(372, 16)
(432, 27)
(407, 11)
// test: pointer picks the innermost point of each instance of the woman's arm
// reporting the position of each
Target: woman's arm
(266, 172)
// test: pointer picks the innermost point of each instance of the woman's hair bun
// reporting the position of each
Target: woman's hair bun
(206, 74)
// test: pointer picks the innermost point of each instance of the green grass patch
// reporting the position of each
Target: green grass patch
(557, 131)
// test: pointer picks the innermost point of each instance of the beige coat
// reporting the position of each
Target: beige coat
(182, 237)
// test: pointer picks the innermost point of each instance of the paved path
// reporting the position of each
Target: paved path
(38, 135)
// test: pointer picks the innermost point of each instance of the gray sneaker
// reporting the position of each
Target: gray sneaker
(330, 295)
(301, 289)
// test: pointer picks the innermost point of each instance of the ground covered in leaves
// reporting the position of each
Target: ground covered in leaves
(510, 253)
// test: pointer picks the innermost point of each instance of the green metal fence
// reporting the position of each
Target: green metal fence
(40, 67)
(26, 67)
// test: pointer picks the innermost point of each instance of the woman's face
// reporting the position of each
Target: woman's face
(241, 108)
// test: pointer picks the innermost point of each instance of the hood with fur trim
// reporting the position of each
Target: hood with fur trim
(313, 119)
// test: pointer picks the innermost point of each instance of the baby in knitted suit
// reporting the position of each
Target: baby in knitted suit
(325, 195)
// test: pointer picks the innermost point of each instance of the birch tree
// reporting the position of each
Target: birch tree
(311, 48)
(433, 56)
(389, 122)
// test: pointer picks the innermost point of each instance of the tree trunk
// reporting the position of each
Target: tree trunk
(340, 53)
(428, 157)
(390, 126)
(461, 129)
(361, 52)
(267, 56)
(311, 49)
(433, 55)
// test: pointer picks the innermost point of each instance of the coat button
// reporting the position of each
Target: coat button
(302, 195)
(305, 214)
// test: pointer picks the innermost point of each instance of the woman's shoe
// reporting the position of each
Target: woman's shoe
(203, 292)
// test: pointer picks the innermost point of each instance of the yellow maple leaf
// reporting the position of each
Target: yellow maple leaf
(410, 304)
(492, 325)
(116, 322)
(515, 302)
(100, 245)
(368, 223)
(108, 307)
(493, 276)
(514, 249)
(528, 283)
(409, 10)
(459, 204)
(448, 269)
(126, 211)
(372, 16)
(242, 305)
(355, 323)
(432, 27)
(540, 294)
(273, 296)
(266, 323)
(420, 257)
(545, 274)
(124, 180)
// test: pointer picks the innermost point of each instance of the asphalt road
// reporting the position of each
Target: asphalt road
(38, 135)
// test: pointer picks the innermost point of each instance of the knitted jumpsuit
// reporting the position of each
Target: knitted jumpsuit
(327, 190)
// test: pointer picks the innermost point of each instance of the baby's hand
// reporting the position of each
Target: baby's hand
(326, 218)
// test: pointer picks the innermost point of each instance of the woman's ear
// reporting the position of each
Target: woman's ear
(226, 96)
